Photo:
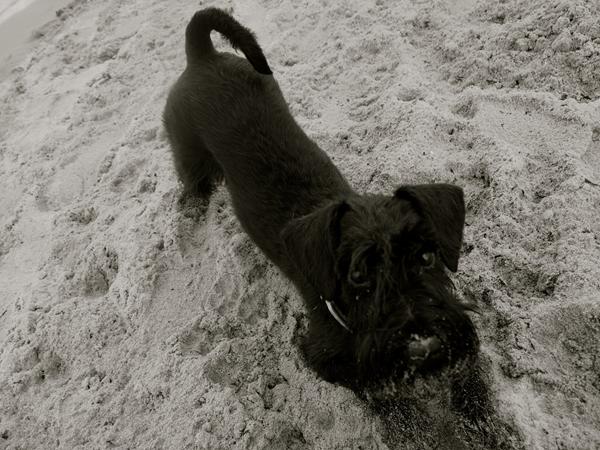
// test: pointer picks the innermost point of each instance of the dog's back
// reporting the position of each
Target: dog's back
(207, 106)
(226, 117)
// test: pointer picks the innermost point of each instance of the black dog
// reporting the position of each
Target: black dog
(370, 267)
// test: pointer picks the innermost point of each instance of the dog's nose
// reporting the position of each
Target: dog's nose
(422, 349)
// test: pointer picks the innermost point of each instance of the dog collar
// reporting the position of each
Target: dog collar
(336, 313)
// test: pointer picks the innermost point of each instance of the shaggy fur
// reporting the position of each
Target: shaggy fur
(379, 259)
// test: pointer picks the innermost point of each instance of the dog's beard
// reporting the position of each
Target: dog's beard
(415, 384)
(425, 334)
(390, 379)
(407, 384)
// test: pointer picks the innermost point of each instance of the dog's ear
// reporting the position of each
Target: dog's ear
(311, 241)
(444, 206)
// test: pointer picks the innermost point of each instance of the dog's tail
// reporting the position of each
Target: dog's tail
(198, 45)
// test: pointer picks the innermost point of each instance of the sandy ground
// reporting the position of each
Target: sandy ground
(131, 320)
(21, 24)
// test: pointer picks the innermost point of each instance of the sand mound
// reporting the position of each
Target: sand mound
(131, 319)
(537, 45)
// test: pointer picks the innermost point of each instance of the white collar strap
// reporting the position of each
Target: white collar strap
(337, 314)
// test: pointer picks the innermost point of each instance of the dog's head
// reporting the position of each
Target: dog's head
(386, 307)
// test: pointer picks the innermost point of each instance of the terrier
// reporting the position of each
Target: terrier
(371, 268)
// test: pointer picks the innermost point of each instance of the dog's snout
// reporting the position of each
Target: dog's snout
(420, 349)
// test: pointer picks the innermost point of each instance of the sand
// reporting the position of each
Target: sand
(21, 24)
(131, 320)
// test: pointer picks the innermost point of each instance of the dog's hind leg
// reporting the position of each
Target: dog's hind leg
(195, 165)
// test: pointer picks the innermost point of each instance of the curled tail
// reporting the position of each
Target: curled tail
(198, 44)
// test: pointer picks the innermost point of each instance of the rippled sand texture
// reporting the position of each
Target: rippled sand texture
(129, 319)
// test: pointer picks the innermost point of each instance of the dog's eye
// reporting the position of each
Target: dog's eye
(361, 267)
(358, 278)
(427, 260)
